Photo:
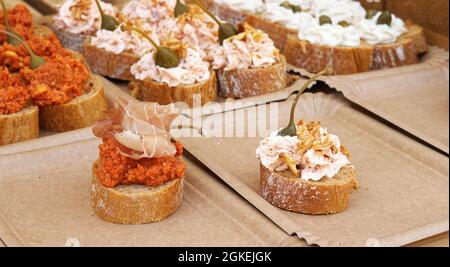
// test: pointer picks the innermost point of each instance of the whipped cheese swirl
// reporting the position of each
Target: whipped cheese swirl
(252, 6)
(331, 35)
(375, 33)
(250, 49)
(81, 16)
(314, 164)
(192, 69)
(119, 41)
(284, 16)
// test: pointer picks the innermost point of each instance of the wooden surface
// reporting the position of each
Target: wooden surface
(433, 14)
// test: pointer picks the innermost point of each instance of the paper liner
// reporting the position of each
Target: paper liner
(414, 98)
(404, 185)
(47, 204)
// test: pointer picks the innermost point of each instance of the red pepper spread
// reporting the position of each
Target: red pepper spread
(115, 169)
(13, 96)
(61, 79)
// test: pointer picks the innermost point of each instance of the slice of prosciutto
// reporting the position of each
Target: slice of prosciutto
(141, 128)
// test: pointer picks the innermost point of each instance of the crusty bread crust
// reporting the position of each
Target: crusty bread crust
(135, 204)
(350, 60)
(294, 194)
(242, 83)
(277, 32)
(80, 112)
(116, 66)
(152, 91)
(19, 126)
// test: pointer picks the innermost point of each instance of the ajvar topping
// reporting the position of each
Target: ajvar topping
(115, 169)
(13, 96)
(14, 58)
(20, 19)
(58, 81)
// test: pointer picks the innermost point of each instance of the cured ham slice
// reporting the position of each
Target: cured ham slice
(141, 128)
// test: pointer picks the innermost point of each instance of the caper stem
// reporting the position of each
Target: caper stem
(99, 8)
(32, 54)
(5, 14)
(305, 86)
(145, 36)
(207, 12)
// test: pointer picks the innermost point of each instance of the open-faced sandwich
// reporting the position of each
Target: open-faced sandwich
(305, 169)
(138, 177)
(112, 51)
(178, 69)
(338, 34)
(52, 78)
(78, 19)
(248, 64)
(19, 118)
(168, 84)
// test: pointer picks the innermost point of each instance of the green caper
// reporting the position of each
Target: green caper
(286, 4)
(226, 30)
(371, 13)
(294, 8)
(385, 18)
(166, 58)
(344, 23)
(324, 20)
(180, 9)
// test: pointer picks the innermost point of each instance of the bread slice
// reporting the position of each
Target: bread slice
(417, 35)
(242, 83)
(350, 60)
(327, 196)
(80, 112)
(152, 91)
(105, 63)
(225, 12)
(19, 126)
(277, 32)
(135, 204)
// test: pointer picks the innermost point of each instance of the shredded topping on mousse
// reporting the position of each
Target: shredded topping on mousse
(311, 155)
(194, 28)
(250, 49)
(137, 147)
(82, 16)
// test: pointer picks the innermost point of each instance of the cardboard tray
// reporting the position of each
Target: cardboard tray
(47, 204)
(404, 185)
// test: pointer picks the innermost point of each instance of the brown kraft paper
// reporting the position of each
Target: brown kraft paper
(404, 184)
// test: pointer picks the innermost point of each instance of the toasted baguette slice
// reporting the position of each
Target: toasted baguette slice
(327, 196)
(350, 60)
(105, 63)
(225, 13)
(242, 83)
(152, 91)
(277, 32)
(417, 35)
(135, 204)
(80, 112)
(19, 126)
